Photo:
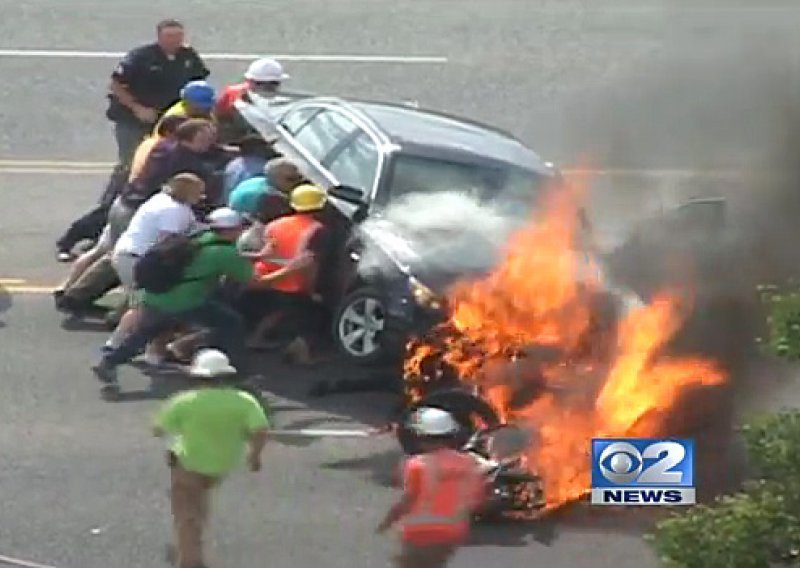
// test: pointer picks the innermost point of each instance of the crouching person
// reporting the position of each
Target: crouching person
(212, 426)
(288, 270)
(178, 279)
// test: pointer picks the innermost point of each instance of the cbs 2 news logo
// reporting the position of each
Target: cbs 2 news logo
(642, 471)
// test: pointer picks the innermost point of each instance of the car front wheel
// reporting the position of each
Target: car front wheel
(359, 326)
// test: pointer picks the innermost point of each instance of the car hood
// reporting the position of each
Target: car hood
(436, 257)
(439, 258)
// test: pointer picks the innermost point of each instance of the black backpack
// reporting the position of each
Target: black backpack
(162, 268)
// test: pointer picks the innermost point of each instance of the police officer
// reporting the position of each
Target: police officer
(147, 82)
(144, 84)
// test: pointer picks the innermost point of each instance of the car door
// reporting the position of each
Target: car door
(356, 163)
(312, 132)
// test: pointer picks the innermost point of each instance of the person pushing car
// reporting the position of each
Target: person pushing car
(442, 490)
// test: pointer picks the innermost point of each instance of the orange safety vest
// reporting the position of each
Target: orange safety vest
(289, 237)
(451, 486)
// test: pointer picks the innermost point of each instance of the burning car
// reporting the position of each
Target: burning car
(536, 343)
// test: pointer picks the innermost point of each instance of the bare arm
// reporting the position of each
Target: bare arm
(303, 263)
(396, 512)
(123, 95)
(258, 440)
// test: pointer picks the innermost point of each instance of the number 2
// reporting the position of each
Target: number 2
(660, 472)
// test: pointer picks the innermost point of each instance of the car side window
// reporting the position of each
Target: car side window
(356, 164)
(295, 120)
(323, 132)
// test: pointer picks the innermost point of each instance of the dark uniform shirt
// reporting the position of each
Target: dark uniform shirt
(154, 79)
(166, 159)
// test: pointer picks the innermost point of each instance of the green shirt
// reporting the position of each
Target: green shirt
(211, 427)
(212, 262)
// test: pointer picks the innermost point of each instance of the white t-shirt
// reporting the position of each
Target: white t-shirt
(159, 214)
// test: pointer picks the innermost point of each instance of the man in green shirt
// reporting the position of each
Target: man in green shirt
(212, 427)
(191, 301)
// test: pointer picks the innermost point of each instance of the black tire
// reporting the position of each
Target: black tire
(358, 303)
(462, 404)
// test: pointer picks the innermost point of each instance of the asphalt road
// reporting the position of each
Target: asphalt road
(82, 485)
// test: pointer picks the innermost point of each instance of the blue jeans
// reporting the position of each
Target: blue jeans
(227, 331)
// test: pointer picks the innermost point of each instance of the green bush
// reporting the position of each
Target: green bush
(783, 321)
(746, 530)
(754, 528)
(773, 447)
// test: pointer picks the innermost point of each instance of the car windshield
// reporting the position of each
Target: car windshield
(503, 184)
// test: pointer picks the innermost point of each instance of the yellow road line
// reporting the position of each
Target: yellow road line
(21, 286)
(54, 164)
(71, 166)
(54, 171)
(28, 289)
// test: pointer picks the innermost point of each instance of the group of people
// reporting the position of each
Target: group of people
(213, 236)
(226, 209)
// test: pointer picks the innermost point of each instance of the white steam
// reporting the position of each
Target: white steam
(447, 232)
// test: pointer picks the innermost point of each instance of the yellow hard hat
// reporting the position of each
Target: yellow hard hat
(308, 197)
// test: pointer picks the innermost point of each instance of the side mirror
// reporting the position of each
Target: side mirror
(352, 195)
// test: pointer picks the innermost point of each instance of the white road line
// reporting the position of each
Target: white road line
(332, 58)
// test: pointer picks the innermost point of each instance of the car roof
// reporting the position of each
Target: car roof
(427, 132)
(433, 133)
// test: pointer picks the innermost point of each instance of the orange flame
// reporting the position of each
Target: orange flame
(607, 380)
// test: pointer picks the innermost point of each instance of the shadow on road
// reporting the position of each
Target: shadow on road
(163, 384)
(513, 533)
(301, 384)
(382, 469)
(576, 518)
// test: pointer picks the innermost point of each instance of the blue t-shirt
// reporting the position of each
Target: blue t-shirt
(246, 197)
(241, 169)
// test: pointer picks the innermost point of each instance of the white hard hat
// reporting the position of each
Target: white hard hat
(430, 421)
(225, 218)
(210, 363)
(265, 71)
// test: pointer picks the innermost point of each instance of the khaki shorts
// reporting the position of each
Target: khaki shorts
(119, 217)
(125, 263)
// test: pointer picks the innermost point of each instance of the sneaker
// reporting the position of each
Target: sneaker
(153, 359)
(105, 373)
(298, 352)
(110, 392)
(65, 256)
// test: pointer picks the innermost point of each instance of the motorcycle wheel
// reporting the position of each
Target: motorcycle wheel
(462, 404)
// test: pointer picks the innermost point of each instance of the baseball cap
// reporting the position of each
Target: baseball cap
(225, 218)
(265, 70)
(200, 94)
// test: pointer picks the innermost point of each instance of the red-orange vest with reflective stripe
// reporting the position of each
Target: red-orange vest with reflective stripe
(451, 486)
(289, 237)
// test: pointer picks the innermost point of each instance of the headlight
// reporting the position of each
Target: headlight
(423, 295)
